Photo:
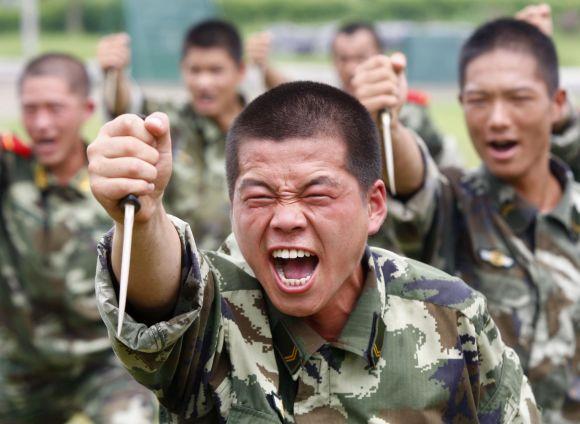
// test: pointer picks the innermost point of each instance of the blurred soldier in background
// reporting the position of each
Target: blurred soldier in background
(566, 130)
(212, 69)
(356, 42)
(55, 360)
(511, 228)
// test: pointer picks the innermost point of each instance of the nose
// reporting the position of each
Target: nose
(288, 218)
(42, 120)
(204, 80)
(499, 116)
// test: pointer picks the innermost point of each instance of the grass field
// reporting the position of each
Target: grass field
(84, 45)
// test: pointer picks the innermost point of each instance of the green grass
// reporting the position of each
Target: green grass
(85, 45)
(448, 117)
(81, 45)
(568, 45)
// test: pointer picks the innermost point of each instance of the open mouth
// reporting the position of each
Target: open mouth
(294, 267)
(44, 145)
(502, 149)
(205, 98)
(503, 146)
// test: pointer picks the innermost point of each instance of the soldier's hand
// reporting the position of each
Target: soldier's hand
(380, 83)
(258, 48)
(131, 156)
(539, 15)
(114, 51)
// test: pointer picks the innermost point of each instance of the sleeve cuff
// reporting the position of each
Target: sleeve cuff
(138, 336)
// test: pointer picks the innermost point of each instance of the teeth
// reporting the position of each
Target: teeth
(295, 282)
(291, 253)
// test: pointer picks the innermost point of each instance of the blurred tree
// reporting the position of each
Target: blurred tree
(74, 16)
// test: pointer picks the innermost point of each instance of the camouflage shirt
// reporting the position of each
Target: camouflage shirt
(197, 191)
(49, 323)
(526, 263)
(416, 117)
(418, 347)
(566, 142)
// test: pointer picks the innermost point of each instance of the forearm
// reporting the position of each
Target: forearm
(273, 77)
(117, 92)
(409, 166)
(154, 274)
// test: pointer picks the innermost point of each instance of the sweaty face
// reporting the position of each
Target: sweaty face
(349, 51)
(212, 78)
(53, 116)
(509, 113)
(301, 221)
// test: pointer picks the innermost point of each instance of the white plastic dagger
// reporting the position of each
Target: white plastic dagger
(131, 206)
(388, 146)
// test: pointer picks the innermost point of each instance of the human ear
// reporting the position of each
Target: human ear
(377, 206)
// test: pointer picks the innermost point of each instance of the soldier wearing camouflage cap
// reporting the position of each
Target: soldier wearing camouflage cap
(55, 360)
(511, 228)
(295, 319)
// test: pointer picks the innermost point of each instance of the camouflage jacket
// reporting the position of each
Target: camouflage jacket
(415, 115)
(526, 263)
(49, 322)
(566, 142)
(418, 347)
(197, 191)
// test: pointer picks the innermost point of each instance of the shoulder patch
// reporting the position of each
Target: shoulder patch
(10, 143)
(418, 97)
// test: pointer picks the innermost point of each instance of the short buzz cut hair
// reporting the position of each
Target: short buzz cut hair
(517, 36)
(61, 65)
(307, 109)
(350, 28)
(214, 33)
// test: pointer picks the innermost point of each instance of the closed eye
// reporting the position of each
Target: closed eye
(259, 201)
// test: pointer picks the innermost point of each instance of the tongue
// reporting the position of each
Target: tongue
(298, 268)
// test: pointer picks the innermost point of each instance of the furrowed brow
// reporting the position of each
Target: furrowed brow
(323, 180)
(252, 182)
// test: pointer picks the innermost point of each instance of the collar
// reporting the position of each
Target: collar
(46, 181)
(363, 333)
(519, 214)
(207, 127)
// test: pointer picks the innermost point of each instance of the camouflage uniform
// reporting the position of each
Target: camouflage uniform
(415, 115)
(197, 191)
(418, 347)
(55, 359)
(566, 142)
(526, 263)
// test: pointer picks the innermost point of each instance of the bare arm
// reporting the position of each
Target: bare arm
(380, 84)
(258, 51)
(114, 55)
(539, 15)
(134, 156)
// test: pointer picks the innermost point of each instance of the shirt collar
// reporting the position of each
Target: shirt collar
(519, 214)
(207, 127)
(363, 334)
(78, 185)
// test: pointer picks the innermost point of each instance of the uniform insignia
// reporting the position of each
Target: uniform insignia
(496, 258)
(418, 97)
(376, 341)
(287, 348)
(10, 143)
